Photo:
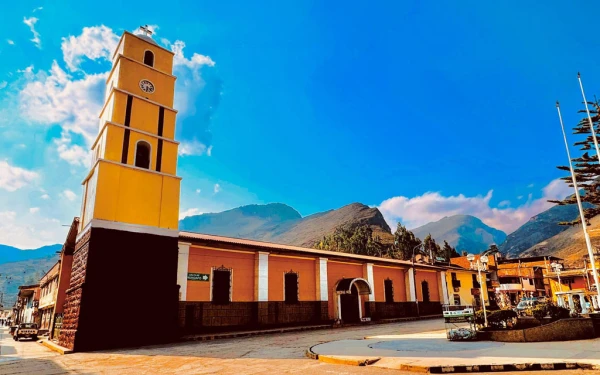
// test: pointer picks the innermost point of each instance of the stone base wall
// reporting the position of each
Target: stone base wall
(198, 317)
(123, 291)
(430, 308)
(390, 310)
(561, 330)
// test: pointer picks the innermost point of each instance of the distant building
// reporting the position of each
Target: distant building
(26, 307)
(48, 294)
(524, 277)
(464, 287)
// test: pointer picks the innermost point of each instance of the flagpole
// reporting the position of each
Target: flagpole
(581, 215)
(589, 118)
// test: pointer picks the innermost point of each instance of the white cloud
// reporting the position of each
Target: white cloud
(34, 210)
(196, 61)
(198, 191)
(530, 185)
(97, 42)
(217, 188)
(45, 196)
(433, 206)
(504, 204)
(69, 195)
(56, 98)
(11, 42)
(38, 8)
(31, 21)
(29, 234)
(3, 84)
(13, 178)
(72, 154)
(193, 147)
(189, 212)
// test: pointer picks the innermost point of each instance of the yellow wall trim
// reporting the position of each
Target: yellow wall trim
(337, 261)
(291, 256)
(106, 123)
(219, 249)
(145, 41)
(395, 268)
(125, 166)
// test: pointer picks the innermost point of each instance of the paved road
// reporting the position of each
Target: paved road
(270, 354)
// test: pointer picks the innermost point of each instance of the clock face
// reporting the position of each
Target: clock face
(147, 86)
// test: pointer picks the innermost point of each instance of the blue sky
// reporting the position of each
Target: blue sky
(422, 108)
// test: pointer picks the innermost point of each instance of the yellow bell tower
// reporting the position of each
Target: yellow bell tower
(125, 257)
(133, 179)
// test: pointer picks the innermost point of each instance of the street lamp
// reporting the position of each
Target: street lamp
(481, 264)
(557, 267)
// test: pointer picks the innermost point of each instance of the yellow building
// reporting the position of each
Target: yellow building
(464, 287)
(125, 257)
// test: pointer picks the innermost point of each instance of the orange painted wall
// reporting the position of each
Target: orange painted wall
(432, 279)
(202, 259)
(306, 277)
(397, 276)
(335, 272)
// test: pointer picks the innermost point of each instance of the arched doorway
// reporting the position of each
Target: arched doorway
(349, 304)
(349, 301)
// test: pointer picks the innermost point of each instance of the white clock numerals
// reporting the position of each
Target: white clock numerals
(146, 86)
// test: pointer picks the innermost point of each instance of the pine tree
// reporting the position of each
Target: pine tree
(404, 243)
(448, 251)
(586, 167)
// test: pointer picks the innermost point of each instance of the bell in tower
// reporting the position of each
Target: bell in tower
(125, 257)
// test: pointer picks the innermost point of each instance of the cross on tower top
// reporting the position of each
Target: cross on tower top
(146, 30)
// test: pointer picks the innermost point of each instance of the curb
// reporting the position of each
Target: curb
(55, 347)
(452, 369)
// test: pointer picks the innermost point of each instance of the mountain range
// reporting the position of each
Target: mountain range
(463, 232)
(280, 223)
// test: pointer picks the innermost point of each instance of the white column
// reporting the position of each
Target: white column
(445, 288)
(322, 286)
(411, 283)
(262, 278)
(571, 303)
(583, 304)
(182, 269)
(371, 281)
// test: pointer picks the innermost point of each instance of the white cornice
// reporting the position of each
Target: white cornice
(135, 96)
(87, 177)
(106, 123)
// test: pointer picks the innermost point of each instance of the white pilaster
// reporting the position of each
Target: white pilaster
(263, 276)
(411, 283)
(444, 288)
(371, 281)
(182, 269)
(323, 285)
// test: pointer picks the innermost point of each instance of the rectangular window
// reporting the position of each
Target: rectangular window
(475, 282)
(530, 281)
(388, 287)
(453, 275)
(291, 287)
(457, 299)
(221, 286)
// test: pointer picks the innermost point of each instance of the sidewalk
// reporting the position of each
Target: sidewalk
(431, 351)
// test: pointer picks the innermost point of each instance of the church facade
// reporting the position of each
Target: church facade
(129, 261)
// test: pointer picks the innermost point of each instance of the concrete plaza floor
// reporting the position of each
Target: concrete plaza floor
(268, 355)
(432, 349)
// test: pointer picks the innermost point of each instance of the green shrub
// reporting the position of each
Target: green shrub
(497, 319)
(558, 312)
(540, 311)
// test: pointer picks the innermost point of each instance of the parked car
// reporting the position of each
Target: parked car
(525, 305)
(26, 330)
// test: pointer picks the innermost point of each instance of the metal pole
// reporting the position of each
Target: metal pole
(589, 117)
(581, 215)
(481, 294)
